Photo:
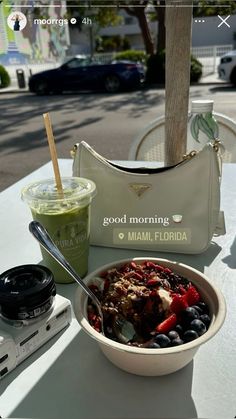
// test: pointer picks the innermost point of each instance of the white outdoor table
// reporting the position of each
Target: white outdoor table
(70, 378)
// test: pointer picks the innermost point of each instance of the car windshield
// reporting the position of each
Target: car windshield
(78, 62)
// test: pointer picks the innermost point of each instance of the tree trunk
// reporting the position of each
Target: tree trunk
(178, 42)
(139, 13)
(143, 24)
(161, 35)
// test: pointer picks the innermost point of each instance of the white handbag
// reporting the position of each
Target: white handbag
(171, 209)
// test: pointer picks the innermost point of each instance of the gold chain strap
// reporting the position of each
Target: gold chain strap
(189, 155)
(73, 151)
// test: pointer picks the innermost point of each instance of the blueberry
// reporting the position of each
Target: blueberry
(162, 340)
(179, 329)
(203, 307)
(177, 342)
(198, 326)
(199, 310)
(205, 319)
(153, 345)
(190, 335)
(173, 335)
(190, 314)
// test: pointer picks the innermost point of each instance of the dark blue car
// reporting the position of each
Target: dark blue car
(82, 73)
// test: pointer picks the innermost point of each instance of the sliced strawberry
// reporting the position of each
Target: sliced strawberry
(133, 265)
(152, 282)
(154, 266)
(168, 324)
(103, 274)
(168, 271)
(93, 288)
(159, 268)
(106, 285)
(92, 317)
(192, 296)
(182, 290)
(138, 276)
(150, 265)
(97, 325)
(178, 303)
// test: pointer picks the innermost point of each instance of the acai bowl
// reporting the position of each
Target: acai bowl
(154, 352)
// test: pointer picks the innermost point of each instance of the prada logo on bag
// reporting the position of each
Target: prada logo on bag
(140, 188)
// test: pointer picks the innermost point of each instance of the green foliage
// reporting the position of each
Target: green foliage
(156, 69)
(126, 44)
(152, 16)
(132, 55)
(114, 44)
(107, 16)
(195, 70)
(223, 8)
(5, 80)
(108, 44)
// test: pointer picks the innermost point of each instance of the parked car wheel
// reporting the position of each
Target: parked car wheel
(57, 91)
(112, 83)
(42, 88)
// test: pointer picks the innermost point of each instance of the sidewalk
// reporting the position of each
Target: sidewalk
(12, 89)
(211, 79)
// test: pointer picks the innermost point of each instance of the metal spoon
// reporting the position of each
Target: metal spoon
(123, 329)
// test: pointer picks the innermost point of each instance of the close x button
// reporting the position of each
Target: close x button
(223, 21)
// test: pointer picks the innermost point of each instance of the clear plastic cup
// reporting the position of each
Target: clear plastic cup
(66, 218)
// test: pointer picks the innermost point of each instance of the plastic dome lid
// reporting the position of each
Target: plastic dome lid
(74, 189)
(202, 106)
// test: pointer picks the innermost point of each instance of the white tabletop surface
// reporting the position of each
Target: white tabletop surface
(69, 377)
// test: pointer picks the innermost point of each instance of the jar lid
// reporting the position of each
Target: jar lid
(202, 106)
(75, 189)
(24, 289)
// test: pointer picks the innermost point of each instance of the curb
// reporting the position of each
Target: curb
(2, 91)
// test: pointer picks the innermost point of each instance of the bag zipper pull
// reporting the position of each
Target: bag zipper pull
(219, 148)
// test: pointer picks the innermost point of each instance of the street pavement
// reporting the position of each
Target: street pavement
(108, 122)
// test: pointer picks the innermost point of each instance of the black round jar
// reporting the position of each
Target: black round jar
(26, 292)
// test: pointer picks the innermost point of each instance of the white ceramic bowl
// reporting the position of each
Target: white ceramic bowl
(161, 361)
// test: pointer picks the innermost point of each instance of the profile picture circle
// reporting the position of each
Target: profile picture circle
(17, 21)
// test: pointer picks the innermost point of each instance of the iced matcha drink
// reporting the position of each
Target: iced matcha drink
(67, 220)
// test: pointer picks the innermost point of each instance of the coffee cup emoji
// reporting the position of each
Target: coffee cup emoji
(177, 218)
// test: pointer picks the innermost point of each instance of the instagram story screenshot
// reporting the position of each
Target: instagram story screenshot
(117, 209)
